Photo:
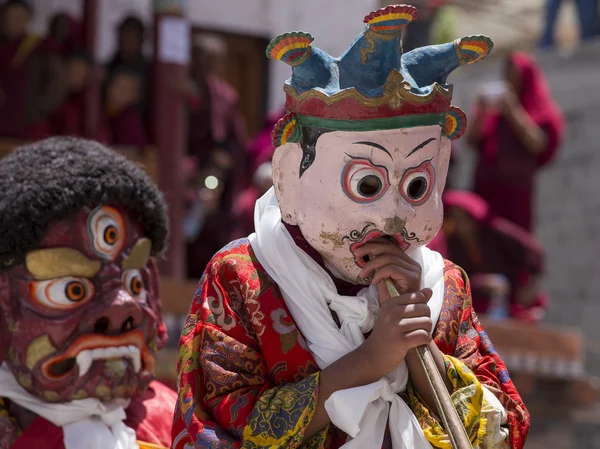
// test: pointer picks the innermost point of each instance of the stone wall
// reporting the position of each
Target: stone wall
(568, 191)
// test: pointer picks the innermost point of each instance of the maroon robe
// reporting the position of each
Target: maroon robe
(505, 173)
(504, 248)
(243, 212)
(71, 38)
(69, 119)
(31, 87)
(215, 121)
(14, 75)
(261, 149)
(126, 128)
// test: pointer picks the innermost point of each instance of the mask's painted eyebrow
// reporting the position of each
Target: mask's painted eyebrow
(139, 255)
(374, 145)
(51, 263)
(418, 147)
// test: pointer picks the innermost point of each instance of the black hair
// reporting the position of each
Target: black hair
(133, 23)
(310, 135)
(18, 3)
(56, 178)
(55, 21)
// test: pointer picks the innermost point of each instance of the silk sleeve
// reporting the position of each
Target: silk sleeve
(476, 371)
(227, 397)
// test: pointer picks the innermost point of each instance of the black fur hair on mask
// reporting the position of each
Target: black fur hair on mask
(58, 177)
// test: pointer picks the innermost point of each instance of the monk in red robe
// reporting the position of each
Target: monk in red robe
(216, 140)
(214, 115)
(260, 149)
(67, 34)
(517, 130)
(501, 258)
(32, 81)
(129, 54)
(124, 121)
(69, 119)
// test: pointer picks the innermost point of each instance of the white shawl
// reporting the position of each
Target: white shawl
(309, 293)
(86, 423)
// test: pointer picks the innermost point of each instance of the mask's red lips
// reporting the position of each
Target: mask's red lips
(398, 238)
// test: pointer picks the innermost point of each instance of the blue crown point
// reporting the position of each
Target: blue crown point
(431, 64)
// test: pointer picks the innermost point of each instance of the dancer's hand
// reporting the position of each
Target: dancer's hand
(386, 260)
(404, 321)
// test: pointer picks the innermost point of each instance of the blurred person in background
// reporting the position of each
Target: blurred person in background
(69, 119)
(130, 55)
(209, 222)
(260, 149)
(517, 129)
(587, 11)
(243, 208)
(216, 146)
(439, 241)
(32, 79)
(124, 121)
(453, 173)
(130, 43)
(66, 32)
(503, 261)
(215, 120)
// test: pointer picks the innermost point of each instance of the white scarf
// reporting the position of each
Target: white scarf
(86, 423)
(309, 293)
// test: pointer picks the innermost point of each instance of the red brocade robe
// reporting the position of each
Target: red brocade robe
(247, 379)
(148, 414)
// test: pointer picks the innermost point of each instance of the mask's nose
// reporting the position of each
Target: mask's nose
(119, 316)
(393, 225)
(393, 213)
(108, 325)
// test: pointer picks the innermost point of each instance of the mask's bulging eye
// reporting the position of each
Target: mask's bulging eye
(134, 283)
(111, 235)
(63, 293)
(364, 182)
(369, 186)
(417, 187)
(107, 232)
(417, 183)
(75, 291)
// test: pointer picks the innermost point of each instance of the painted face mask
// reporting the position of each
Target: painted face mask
(80, 311)
(85, 309)
(384, 183)
(363, 151)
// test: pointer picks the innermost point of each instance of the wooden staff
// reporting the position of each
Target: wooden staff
(452, 423)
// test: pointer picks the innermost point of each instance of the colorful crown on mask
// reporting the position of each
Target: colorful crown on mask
(373, 85)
